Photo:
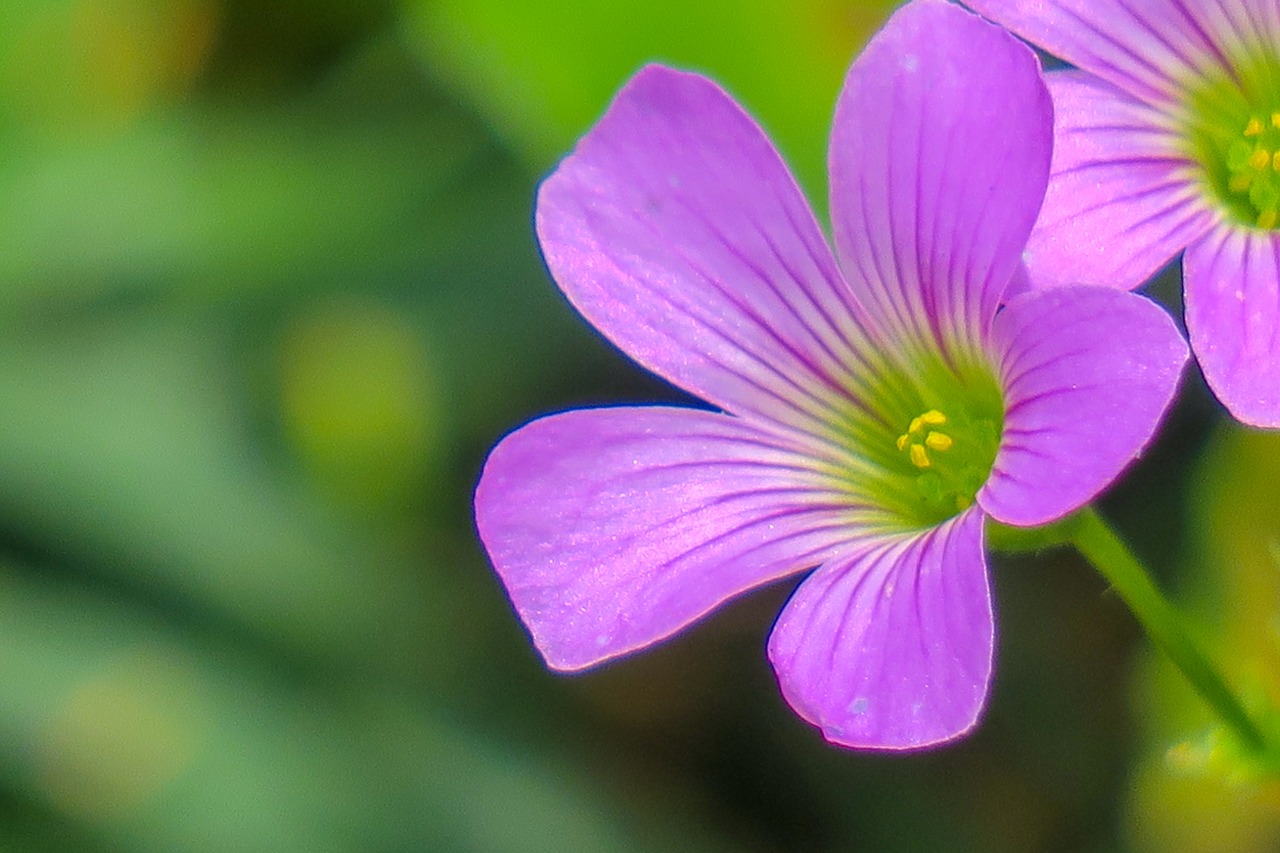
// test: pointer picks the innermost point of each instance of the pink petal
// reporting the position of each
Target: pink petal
(892, 649)
(1237, 26)
(1148, 48)
(1088, 373)
(1232, 284)
(938, 167)
(614, 528)
(1121, 202)
(677, 231)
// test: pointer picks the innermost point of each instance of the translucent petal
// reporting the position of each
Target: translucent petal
(613, 528)
(1148, 48)
(1088, 373)
(892, 649)
(1122, 202)
(1232, 284)
(938, 168)
(677, 231)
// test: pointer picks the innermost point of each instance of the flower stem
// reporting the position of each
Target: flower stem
(1112, 558)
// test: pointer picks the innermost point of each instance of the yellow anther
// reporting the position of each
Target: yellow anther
(916, 425)
(919, 458)
(933, 418)
(1260, 158)
(938, 441)
(902, 441)
(1254, 127)
(1275, 120)
(1267, 219)
(1241, 182)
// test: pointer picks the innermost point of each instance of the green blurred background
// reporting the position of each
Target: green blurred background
(269, 292)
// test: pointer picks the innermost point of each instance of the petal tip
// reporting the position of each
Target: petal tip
(893, 649)
(927, 738)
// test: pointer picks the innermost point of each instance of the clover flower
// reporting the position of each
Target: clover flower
(870, 414)
(1168, 138)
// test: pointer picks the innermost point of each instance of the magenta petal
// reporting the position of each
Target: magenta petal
(892, 649)
(1232, 284)
(1088, 372)
(1145, 47)
(677, 231)
(1259, 18)
(614, 528)
(932, 194)
(1121, 201)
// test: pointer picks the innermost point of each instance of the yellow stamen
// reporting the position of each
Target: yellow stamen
(1275, 120)
(934, 418)
(1253, 128)
(902, 441)
(1241, 182)
(1260, 158)
(1267, 219)
(938, 441)
(919, 458)
(916, 424)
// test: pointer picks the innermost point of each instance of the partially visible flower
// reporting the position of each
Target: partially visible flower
(1168, 138)
(874, 413)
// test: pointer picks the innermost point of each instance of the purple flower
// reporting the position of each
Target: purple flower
(1167, 139)
(873, 412)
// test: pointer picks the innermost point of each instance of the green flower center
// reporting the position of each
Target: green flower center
(1233, 129)
(935, 441)
(951, 465)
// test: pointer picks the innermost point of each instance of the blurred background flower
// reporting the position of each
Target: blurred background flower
(270, 291)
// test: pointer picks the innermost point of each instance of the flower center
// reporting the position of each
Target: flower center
(948, 466)
(1233, 130)
(1253, 164)
(949, 415)
(919, 439)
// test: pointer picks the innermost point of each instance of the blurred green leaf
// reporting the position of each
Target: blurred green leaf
(543, 72)
(220, 202)
(121, 447)
(125, 728)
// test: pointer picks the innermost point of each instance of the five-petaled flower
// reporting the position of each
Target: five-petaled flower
(1168, 138)
(872, 413)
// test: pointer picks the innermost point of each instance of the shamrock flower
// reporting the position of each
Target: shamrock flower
(1168, 138)
(873, 413)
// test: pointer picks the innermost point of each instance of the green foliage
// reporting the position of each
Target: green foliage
(542, 73)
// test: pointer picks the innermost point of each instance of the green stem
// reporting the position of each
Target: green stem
(1100, 545)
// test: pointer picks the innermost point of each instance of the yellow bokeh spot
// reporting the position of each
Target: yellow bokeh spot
(360, 403)
(99, 65)
(1260, 158)
(120, 737)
